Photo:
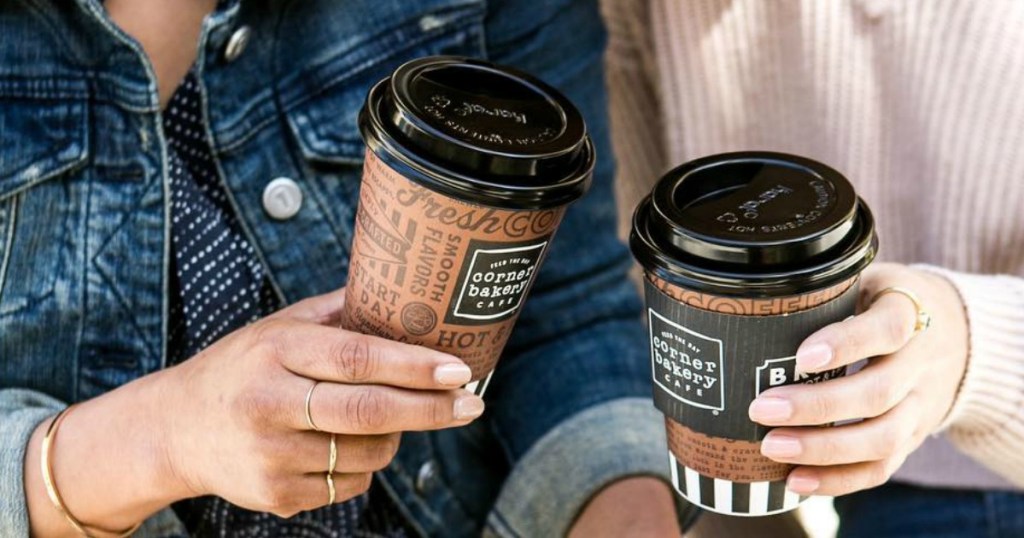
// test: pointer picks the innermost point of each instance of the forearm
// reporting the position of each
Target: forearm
(109, 461)
(635, 506)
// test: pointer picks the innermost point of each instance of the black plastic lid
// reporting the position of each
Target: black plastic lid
(754, 224)
(479, 132)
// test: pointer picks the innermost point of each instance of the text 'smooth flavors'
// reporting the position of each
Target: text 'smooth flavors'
(469, 168)
(745, 255)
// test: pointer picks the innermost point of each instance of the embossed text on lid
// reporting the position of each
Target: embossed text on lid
(750, 222)
(760, 210)
(482, 132)
(507, 116)
(472, 113)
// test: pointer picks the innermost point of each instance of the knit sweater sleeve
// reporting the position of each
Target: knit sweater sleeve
(634, 107)
(987, 418)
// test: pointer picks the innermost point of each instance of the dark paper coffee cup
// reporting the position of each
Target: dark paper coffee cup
(469, 168)
(745, 255)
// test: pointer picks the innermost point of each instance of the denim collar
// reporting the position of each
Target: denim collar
(217, 29)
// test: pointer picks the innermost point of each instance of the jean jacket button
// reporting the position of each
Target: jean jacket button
(237, 43)
(426, 477)
(282, 198)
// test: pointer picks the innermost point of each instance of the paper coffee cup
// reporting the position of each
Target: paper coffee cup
(469, 168)
(745, 255)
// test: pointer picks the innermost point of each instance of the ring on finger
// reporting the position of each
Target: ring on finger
(309, 416)
(332, 460)
(331, 492)
(923, 319)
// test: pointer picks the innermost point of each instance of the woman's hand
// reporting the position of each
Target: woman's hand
(903, 394)
(231, 422)
(238, 428)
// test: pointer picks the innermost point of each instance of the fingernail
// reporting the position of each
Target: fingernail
(769, 409)
(813, 357)
(780, 446)
(452, 375)
(468, 407)
(804, 485)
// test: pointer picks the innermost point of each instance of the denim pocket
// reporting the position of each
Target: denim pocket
(325, 122)
(40, 139)
(322, 118)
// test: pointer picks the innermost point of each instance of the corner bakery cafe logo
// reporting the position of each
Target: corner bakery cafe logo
(494, 280)
(686, 364)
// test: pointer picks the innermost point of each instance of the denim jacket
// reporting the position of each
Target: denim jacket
(84, 234)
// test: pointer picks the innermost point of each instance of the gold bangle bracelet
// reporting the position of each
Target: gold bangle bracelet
(51, 485)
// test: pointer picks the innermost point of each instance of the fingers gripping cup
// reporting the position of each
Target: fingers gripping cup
(469, 168)
(745, 255)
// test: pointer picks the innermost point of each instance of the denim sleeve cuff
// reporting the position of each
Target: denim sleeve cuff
(21, 411)
(553, 480)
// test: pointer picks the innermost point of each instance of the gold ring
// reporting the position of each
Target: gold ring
(330, 489)
(923, 319)
(332, 461)
(309, 416)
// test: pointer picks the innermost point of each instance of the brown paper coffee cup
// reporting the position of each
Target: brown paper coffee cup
(469, 168)
(745, 255)
(434, 271)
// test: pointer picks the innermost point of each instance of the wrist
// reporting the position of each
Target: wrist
(951, 321)
(170, 454)
(950, 316)
(110, 461)
(987, 398)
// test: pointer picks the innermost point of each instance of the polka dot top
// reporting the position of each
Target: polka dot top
(218, 284)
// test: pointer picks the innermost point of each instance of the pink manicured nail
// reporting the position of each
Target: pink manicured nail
(452, 375)
(770, 409)
(804, 485)
(813, 357)
(467, 407)
(780, 446)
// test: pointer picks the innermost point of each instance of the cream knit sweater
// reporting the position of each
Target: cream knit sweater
(918, 102)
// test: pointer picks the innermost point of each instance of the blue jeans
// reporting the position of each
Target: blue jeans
(898, 510)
